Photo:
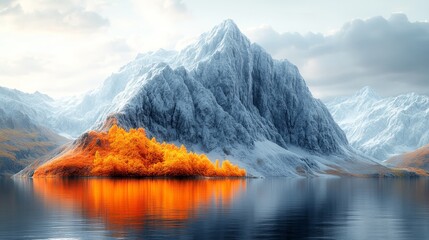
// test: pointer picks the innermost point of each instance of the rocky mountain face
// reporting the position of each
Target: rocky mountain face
(223, 90)
(383, 127)
(228, 98)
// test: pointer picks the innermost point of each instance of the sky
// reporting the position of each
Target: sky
(68, 47)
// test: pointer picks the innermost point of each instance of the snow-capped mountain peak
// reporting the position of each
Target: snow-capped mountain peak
(224, 40)
(226, 97)
(366, 93)
(222, 92)
(383, 127)
(226, 33)
(239, 80)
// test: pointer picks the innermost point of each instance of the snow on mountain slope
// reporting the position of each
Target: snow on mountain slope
(79, 114)
(23, 132)
(383, 127)
(57, 115)
(224, 90)
(226, 97)
(38, 107)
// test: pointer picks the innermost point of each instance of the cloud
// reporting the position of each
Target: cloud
(391, 55)
(18, 67)
(165, 21)
(60, 65)
(175, 6)
(68, 47)
(162, 11)
(5, 3)
(49, 15)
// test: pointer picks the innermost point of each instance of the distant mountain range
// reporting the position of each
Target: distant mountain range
(23, 136)
(222, 96)
(383, 127)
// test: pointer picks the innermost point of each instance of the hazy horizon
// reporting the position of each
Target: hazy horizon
(75, 45)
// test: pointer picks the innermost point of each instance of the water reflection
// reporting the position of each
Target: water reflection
(215, 209)
(123, 204)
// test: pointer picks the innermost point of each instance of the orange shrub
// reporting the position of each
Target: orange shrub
(122, 153)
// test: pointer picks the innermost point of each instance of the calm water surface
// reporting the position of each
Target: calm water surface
(211, 209)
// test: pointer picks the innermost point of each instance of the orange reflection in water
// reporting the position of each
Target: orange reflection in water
(128, 203)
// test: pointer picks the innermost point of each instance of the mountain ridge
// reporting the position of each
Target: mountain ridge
(23, 135)
(381, 127)
(229, 75)
(227, 98)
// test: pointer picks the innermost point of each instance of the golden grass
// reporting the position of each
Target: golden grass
(7, 155)
(13, 141)
(10, 134)
(416, 161)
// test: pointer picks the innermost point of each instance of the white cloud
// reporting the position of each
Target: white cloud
(390, 55)
(49, 15)
(24, 65)
(4, 4)
(58, 47)
(159, 24)
(67, 47)
(162, 11)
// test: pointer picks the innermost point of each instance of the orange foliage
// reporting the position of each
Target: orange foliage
(416, 159)
(129, 203)
(132, 154)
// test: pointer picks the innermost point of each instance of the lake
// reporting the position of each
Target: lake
(318, 208)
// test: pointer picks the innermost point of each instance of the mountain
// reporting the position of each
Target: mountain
(78, 114)
(383, 127)
(418, 159)
(23, 138)
(37, 106)
(227, 98)
(225, 90)
(60, 116)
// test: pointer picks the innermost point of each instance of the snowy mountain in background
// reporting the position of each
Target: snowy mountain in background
(75, 115)
(61, 116)
(383, 127)
(226, 97)
(25, 134)
(37, 106)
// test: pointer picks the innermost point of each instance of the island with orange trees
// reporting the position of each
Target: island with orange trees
(121, 153)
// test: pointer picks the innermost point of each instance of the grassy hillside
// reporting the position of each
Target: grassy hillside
(417, 159)
(19, 147)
